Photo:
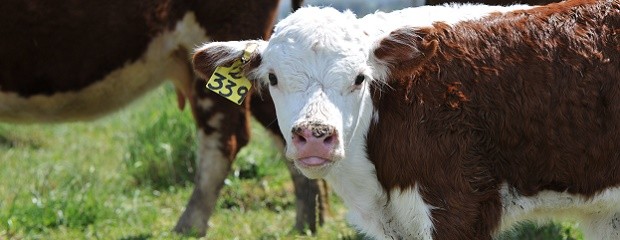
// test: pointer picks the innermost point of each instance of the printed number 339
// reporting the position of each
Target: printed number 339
(227, 87)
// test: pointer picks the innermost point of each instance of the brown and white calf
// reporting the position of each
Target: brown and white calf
(451, 122)
(78, 60)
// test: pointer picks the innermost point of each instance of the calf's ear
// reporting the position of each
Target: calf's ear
(211, 55)
(403, 51)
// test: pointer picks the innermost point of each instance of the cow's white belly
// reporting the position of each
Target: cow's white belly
(598, 216)
(166, 58)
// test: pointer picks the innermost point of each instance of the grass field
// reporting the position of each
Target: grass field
(128, 176)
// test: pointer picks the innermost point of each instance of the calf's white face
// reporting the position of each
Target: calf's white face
(316, 68)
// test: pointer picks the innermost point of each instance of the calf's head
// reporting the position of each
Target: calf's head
(320, 66)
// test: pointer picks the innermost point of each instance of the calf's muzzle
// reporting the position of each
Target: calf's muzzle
(313, 139)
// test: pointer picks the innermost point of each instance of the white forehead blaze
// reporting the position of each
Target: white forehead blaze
(314, 46)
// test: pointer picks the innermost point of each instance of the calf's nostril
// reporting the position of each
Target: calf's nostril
(328, 140)
(314, 134)
(301, 139)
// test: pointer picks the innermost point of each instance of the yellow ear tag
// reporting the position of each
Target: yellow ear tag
(230, 83)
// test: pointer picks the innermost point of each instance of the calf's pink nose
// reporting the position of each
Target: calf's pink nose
(314, 140)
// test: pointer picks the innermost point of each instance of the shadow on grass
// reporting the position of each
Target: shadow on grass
(5, 142)
(143, 236)
(8, 140)
(550, 231)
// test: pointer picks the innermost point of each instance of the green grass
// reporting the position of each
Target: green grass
(162, 151)
(129, 175)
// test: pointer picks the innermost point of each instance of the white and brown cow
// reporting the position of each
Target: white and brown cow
(451, 122)
(78, 60)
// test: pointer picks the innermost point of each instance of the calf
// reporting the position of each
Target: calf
(451, 122)
(74, 60)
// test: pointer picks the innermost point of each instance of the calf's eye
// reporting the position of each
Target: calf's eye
(273, 80)
(359, 79)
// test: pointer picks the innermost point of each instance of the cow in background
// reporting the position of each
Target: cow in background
(75, 61)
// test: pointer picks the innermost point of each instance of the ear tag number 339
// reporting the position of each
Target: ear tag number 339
(229, 82)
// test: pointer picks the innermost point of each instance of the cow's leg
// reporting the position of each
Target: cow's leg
(604, 225)
(222, 130)
(311, 196)
(212, 169)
